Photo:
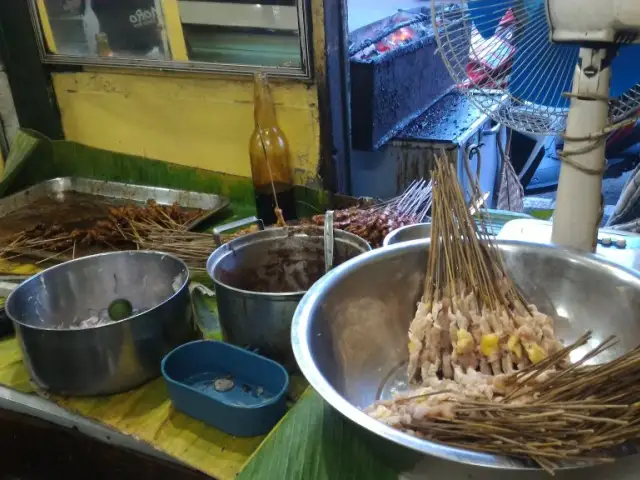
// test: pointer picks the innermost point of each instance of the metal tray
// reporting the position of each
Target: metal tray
(78, 201)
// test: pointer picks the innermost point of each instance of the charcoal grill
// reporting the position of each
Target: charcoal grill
(396, 74)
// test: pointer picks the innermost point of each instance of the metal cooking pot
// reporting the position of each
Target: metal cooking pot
(260, 278)
(349, 333)
(113, 357)
(419, 231)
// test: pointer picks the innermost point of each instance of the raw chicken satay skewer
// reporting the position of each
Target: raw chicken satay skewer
(471, 315)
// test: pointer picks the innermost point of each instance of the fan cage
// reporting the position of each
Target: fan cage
(526, 94)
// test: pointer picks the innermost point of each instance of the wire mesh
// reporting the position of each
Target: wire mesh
(512, 71)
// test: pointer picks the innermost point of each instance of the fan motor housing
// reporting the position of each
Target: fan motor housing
(594, 21)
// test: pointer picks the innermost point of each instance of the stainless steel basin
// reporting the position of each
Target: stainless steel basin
(115, 356)
(349, 333)
(419, 231)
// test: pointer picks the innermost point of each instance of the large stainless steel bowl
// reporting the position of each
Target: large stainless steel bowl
(113, 357)
(349, 333)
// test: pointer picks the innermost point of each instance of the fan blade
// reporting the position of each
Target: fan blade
(543, 71)
(487, 14)
(625, 70)
(554, 78)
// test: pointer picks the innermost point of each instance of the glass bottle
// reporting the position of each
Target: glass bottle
(104, 50)
(270, 159)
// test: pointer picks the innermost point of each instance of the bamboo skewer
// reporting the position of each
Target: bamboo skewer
(476, 425)
(164, 235)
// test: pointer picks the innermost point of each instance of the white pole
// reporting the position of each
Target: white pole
(579, 205)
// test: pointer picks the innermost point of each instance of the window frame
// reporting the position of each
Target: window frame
(185, 66)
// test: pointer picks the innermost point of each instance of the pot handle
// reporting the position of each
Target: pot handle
(328, 241)
(233, 225)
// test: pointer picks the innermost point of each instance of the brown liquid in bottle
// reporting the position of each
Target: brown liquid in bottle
(270, 158)
(104, 49)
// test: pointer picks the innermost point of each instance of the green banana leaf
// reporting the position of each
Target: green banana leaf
(313, 442)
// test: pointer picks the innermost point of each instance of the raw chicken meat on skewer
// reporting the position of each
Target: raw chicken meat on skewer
(471, 316)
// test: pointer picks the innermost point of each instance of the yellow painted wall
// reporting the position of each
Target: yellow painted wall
(195, 121)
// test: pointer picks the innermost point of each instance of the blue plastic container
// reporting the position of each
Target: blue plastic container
(227, 387)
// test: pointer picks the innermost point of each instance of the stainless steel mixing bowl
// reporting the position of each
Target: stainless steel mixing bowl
(349, 333)
(419, 231)
(113, 357)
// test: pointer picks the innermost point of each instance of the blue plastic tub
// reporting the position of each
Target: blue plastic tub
(227, 387)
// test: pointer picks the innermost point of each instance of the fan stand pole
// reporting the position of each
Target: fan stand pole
(579, 205)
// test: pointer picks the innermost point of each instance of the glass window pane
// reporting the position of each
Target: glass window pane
(123, 28)
(242, 32)
(242, 46)
(206, 33)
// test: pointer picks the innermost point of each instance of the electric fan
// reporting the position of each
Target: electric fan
(567, 68)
